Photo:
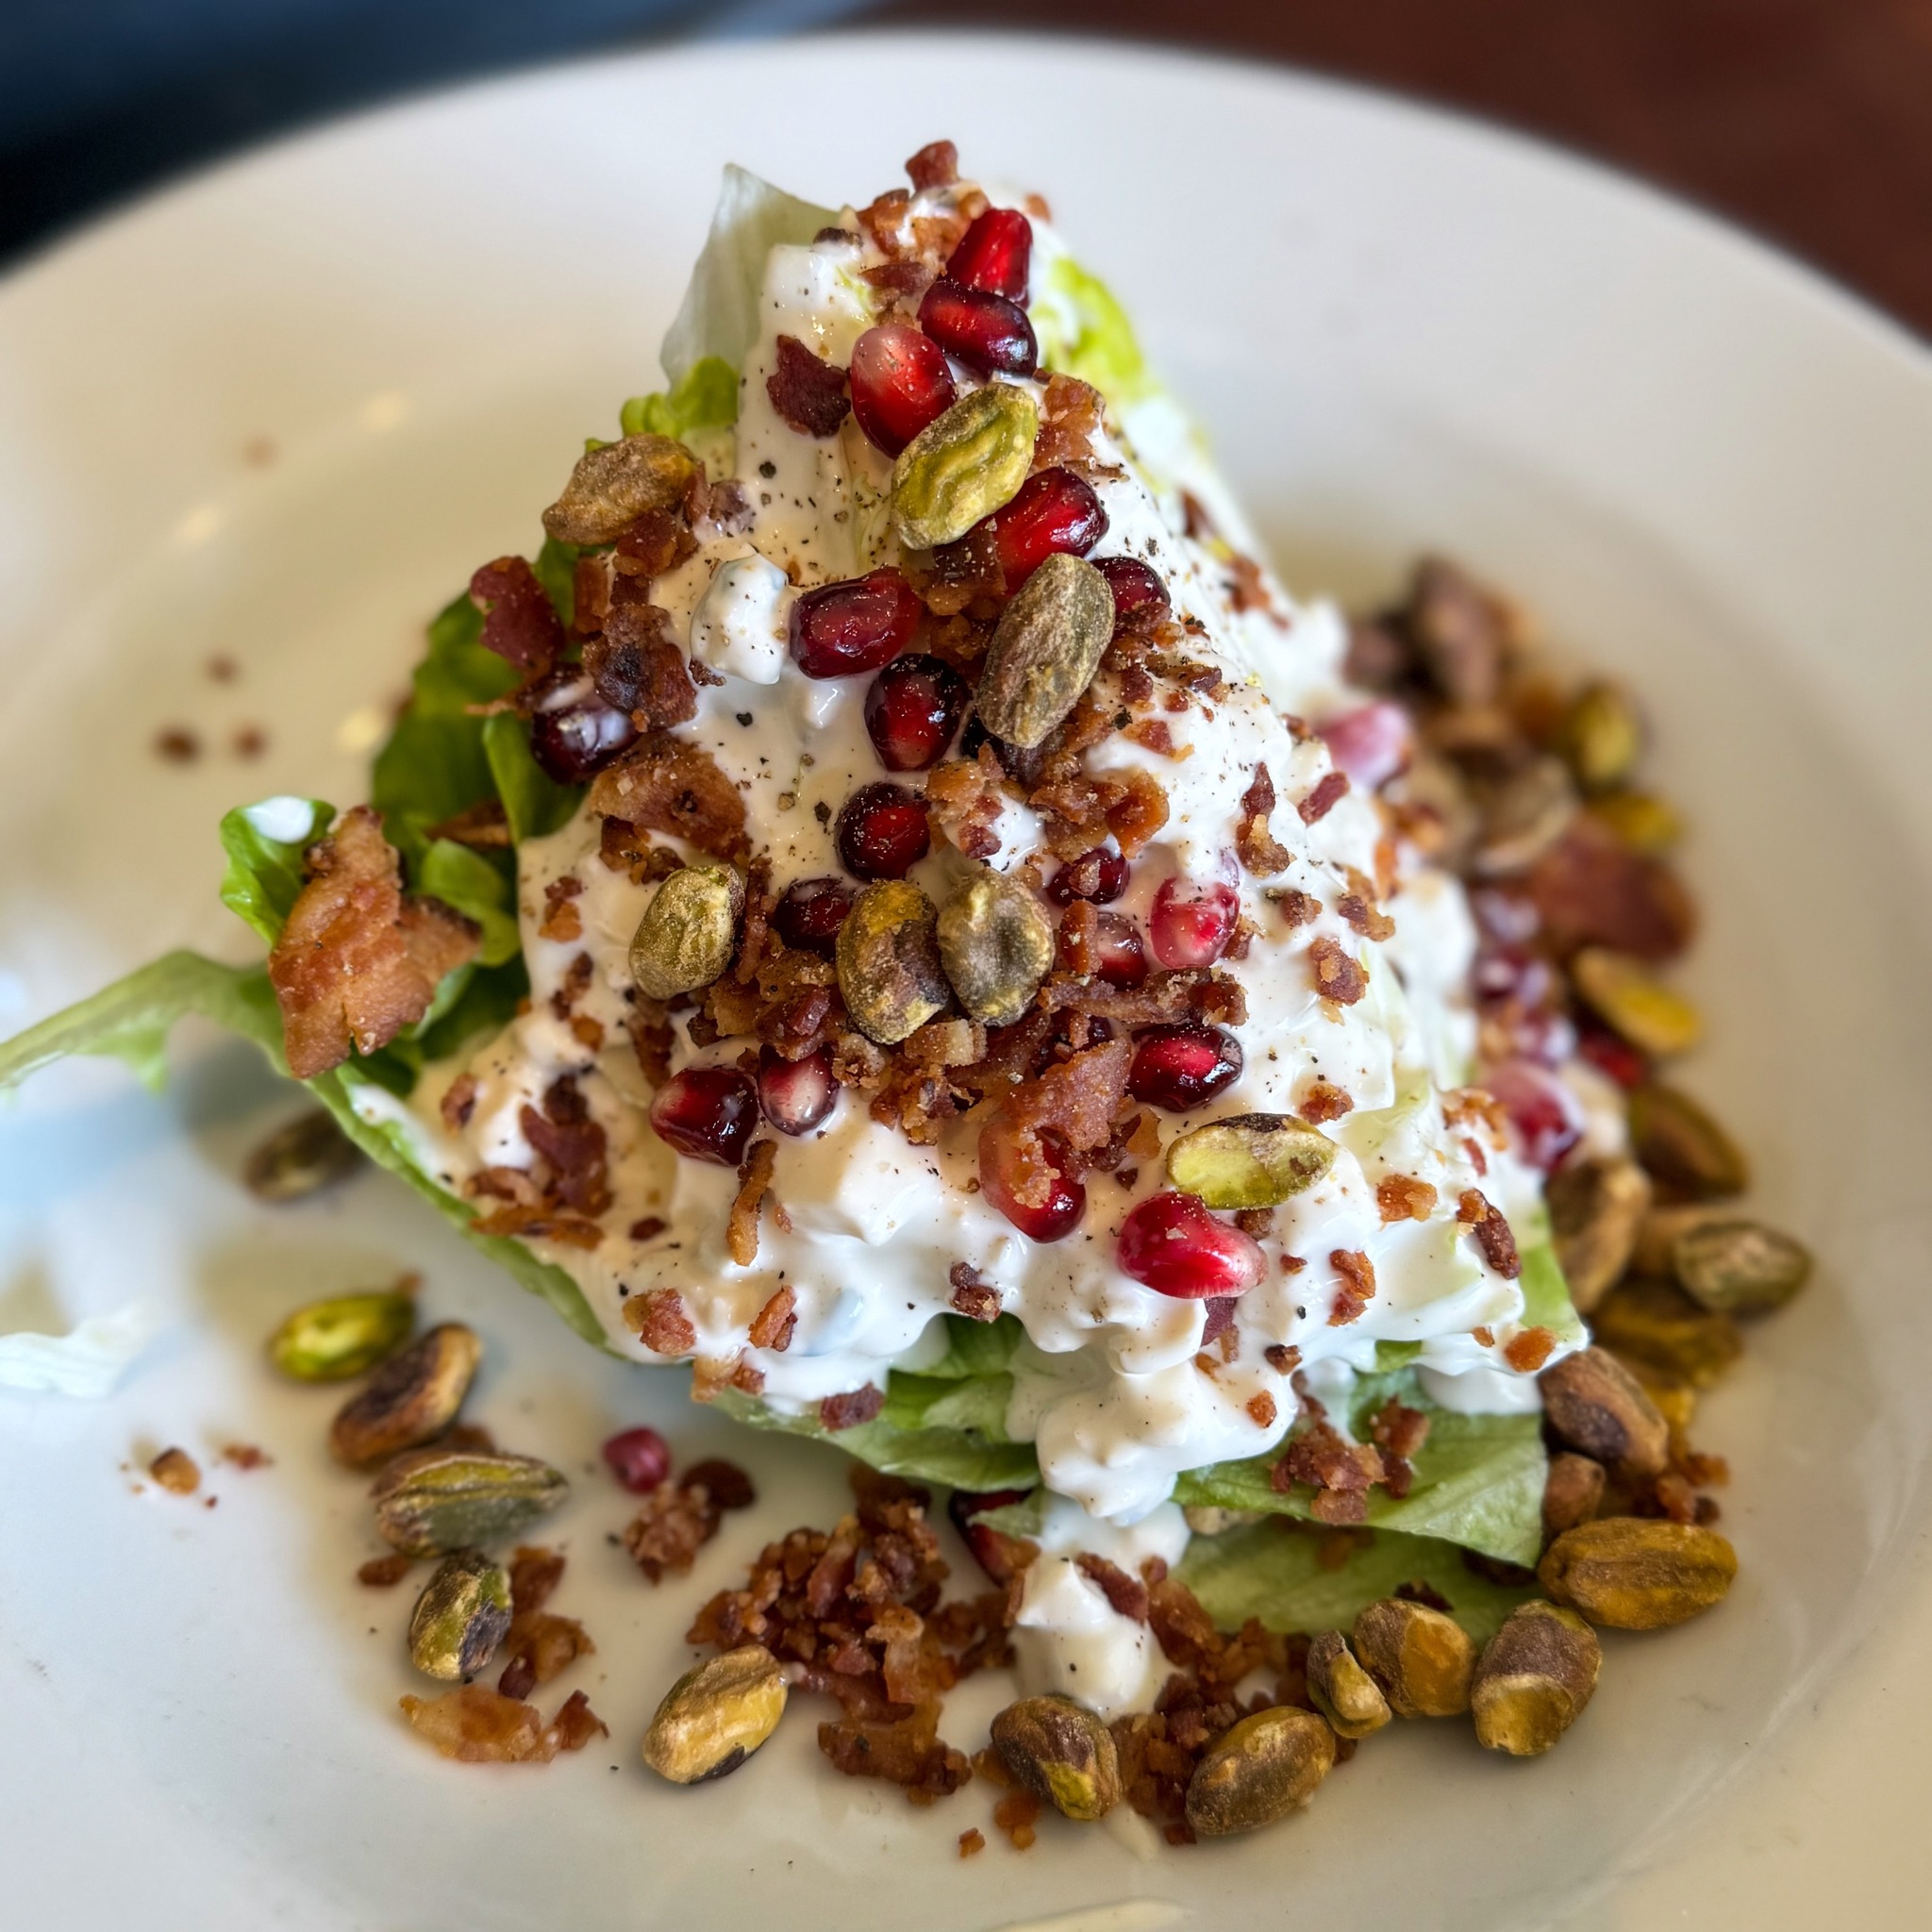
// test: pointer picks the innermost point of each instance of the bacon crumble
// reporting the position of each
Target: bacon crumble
(808, 393)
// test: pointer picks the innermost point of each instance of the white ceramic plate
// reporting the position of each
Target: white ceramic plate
(1700, 465)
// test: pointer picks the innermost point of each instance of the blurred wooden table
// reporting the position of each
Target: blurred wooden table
(1810, 121)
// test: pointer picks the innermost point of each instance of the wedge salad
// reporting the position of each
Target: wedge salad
(894, 909)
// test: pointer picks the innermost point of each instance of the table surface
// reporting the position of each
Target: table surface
(1807, 121)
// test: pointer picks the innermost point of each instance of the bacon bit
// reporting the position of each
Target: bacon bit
(1127, 1595)
(1260, 851)
(742, 1230)
(177, 745)
(1016, 1814)
(972, 1843)
(855, 1406)
(571, 1147)
(637, 667)
(249, 741)
(652, 545)
(475, 1725)
(963, 798)
(1358, 1287)
(1283, 1359)
(1070, 418)
(673, 1525)
(246, 1455)
(1261, 1410)
(1358, 908)
(1527, 1351)
(1250, 588)
(973, 1297)
(1324, 1101)
(936, 165)
(1494, 1234)
(808, 392)
(1220, 1320)
(1324, 797)
(1339, 976)
(385, 1572)
(657, 1317)
(356, 962)
(177, 1471)
(1477, 1159)
(483, 828)
(774, 1325)
(520, 624)
(1292, 1264)
(1297, 908)
(1399, 1430)
(882, 219)
(587, 1032)
(1341, 1472)
(664, 784)
(1075, 1100)
(1131, 807)
(539, 1646)
(1401, 1197)
(562, 922)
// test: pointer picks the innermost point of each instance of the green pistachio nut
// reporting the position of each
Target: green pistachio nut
(461, 1617)
(346, 1336)
(996, 944)
(1738, 1267)
(889, 971)
(411, 1398)
(1250, 1160)
(310, 1153)
(615, 484)
(1602, 737)
(715, 1716)
(1266, 1767)
(685, 938)
(1063, 1753)
(1049, 643)
(438, 1500)
(963, 465)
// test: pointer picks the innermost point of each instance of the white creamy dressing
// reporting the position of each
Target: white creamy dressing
(1108, 1388)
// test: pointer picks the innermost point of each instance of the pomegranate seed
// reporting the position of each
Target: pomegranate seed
(994, 1551)
(1509, 973)
(1371, 743)
(995, 253)
(1057, 1215)
(882, 832)
(1504, 918)
(1136, 588)
(1532, 1033)
(1543, 1114)
(983, 330)
(1192, 922)
(1180, 1066)
(1609, 1054)
(856, 625)
(1054, 510)
(1172, 1244)
(1100, 875)
(811, 912)
(913, 710)
(574, 733)
(900, 383)
(638, 1458)
(707, 1113)
(796, 1095)
(1121, 959)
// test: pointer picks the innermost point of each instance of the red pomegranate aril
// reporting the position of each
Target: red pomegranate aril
(1371, 743)
(985, 331)
(707, 1113)
(900, 382)
(1175, 1246)
(1136, 588)
(995, 253)
(574, 733)
(1613, 1056)
(913, 710)
(1504, 918)
(860, 625)
(1509, 973)
(1181, 1067)
(1056, 1217)
(796, 1095)
(1544, 1117)
(1099, 876)
(1543, 1033)
(882, 832)
(1055, 510)
(995, 1551)
(1192, 922)
(811, 912)
(1120, 958)
(638, 1458)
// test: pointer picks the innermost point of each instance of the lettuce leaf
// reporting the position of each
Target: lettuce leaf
(1085, 332)
(705, 398)
(1275, 1572)
(264, 844)
(719, 317)
(533, 801)
(481, 886)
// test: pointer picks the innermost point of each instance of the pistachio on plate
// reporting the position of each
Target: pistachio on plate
(1636, 1003)
(1636, 819)
(412, 1397)
(689, 931)
(996, 944)
(461, 1616)
(1419, 1657)
(1268, 1765)
(963, 465)
(615, 484)
(1601, 736)
(716, 1715)
(1343, 1692)
(311, 1153)
(1573, 1491)
(1049, 643)
(1738, 1266)
(344, 1337)
(1596, 1210)
(1593, 1405)
(1637, 1573)
(1656, 1325)
(432, 1501)
(1063, 1753)
(1533, 1679)
(1682, 1148)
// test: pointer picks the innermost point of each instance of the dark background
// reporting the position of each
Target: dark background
(1810, 121)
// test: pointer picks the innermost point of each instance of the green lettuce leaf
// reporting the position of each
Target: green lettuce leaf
(264, 873)
(720, 315)
(533, 801)
(705, 398)
(555, 569)
(480, 886)
(1275, 1572)
(1085, 332)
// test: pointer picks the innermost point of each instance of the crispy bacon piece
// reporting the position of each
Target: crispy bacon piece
(538, 1645)
(572, 1146)
(659, 1320)
(664, 785)
(1529, 1350)
(637, 667)
(475, 1725)
(936, 165)
(1075, 1100)
(1323, 798)
(483, 828)
(1403, 1197)
(1358, 906)
(1127, 1595)
(774, 1325)
(1082, 811)
(1493, 1232)
(1070, 418)
(973, 1297)
(520, 624)
(356, 962)
(741, 1230)
(674, 1521)
(808, 392)
(1260, 851)
(1339, 975)
(848, 1410)
(1341, 1472)
(963, 798)
(1356, 1289)
(1324, 1101)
